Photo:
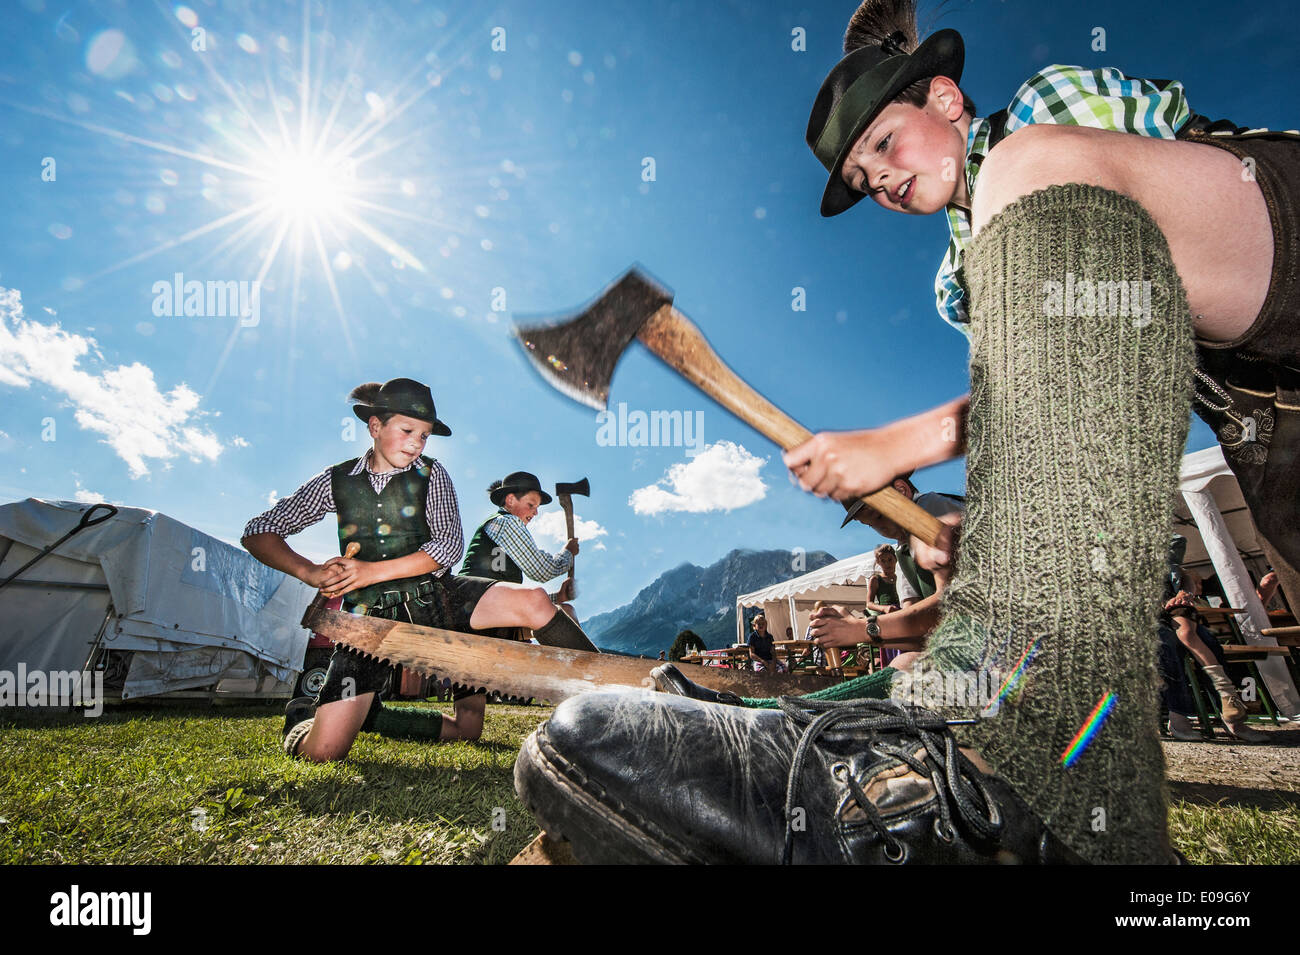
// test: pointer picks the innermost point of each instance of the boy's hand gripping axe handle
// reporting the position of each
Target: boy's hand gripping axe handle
(564, 494)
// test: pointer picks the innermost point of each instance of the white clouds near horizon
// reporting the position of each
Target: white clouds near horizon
(722, 477)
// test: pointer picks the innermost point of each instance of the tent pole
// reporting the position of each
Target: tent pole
(1240, 591)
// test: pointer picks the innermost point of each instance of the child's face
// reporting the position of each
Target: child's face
(524, 508)
(911, 159)
(401, 440)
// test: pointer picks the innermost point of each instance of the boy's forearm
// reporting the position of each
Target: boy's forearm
(274, 551)
(911, 622)
(933, 436)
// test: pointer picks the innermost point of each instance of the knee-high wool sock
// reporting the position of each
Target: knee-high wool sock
(873, 686)
(1079, 414)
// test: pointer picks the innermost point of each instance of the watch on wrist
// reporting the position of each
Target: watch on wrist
(873, 630)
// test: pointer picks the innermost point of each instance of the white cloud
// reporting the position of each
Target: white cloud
(88, 497)
(272, 498)
(238, 442)
(124, 404)
(722, 477)
(549, 526)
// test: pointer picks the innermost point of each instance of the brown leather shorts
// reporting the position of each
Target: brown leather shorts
(1248, 389)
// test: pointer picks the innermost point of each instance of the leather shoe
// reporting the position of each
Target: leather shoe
(653, 777)
(669, 679)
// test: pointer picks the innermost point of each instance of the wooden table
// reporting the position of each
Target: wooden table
(797, 652)
(734, 657)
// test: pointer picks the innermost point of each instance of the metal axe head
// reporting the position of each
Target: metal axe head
(578, 355)
(578, 487)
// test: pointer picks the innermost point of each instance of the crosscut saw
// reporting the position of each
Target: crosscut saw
(527, 670)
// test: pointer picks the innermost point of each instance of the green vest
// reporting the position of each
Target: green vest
(387, 525)
(486, 558)
(922, 580)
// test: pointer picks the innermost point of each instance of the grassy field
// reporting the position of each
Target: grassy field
(193, 784)
(201, 785)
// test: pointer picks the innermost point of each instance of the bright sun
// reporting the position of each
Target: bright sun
(301, 186)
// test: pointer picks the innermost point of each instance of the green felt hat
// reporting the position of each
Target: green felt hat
(860, 86)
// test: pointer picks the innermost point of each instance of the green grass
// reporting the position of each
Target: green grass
(200, 785)
(1235, 835)
(194, 784)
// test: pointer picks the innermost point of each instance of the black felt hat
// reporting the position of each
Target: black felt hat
(517, 483)
(860, 86)
(404, 396)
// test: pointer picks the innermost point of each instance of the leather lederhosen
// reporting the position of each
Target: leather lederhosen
(1248, 389)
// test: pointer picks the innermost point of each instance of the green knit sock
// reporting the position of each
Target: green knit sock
(408, 723)
(873, 686)
(1077, 424)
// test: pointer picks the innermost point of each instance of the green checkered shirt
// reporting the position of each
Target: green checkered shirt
(1066, 96)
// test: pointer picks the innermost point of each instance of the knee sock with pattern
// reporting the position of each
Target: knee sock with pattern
(407, 723)
(1081, 359)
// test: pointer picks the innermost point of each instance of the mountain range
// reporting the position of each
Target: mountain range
(702, 599)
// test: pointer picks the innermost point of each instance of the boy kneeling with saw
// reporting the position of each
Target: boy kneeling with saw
(400, 508)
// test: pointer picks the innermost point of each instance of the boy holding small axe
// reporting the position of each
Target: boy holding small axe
(502, 547)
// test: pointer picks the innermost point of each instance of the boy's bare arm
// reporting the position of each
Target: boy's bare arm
(849, 464)
(274, 551)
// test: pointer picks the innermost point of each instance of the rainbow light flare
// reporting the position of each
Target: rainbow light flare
(1089, 730)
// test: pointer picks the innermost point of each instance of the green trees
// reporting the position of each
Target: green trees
(688, 641)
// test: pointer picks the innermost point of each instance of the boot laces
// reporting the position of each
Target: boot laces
(957, 782)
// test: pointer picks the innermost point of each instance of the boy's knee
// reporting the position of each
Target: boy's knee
(539, 607)
(1034, 158)
(322, 752)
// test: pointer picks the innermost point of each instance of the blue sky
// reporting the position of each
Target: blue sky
(470, 184)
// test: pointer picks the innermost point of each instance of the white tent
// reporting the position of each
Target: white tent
(1221, 538)
(790, 603)
(163, 606)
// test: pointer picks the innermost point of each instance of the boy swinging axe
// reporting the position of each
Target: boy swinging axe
(578, 356)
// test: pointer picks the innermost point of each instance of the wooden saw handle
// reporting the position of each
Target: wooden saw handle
(348, 553)
(675, 338)
(318, 602)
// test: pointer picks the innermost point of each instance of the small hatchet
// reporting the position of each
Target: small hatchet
(578, 357)
(564, 494)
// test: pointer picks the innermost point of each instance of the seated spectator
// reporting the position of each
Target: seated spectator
(1180, 618)
(762, 647)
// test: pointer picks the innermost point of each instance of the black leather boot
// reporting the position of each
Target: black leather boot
(669, 679)
(636, 778)
(295, 711)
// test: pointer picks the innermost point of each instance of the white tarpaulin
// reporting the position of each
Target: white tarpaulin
(790, 602)
(194, 610)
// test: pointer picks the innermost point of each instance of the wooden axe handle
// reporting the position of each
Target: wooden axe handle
(566, 502)
(674, 338)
